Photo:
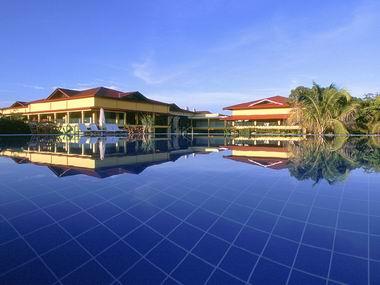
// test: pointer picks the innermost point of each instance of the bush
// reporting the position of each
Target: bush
(13, 126)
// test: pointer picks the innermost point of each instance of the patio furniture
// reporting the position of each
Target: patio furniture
(114, 129)
(83, 129)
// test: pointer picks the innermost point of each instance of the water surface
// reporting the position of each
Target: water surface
(215, 210)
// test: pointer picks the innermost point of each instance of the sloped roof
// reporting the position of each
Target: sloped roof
(62, 93)
(271, 163)
(19, 104)
(266, 103)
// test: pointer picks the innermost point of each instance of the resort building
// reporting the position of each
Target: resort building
(72, 107)
(205, 122)
(268, 114)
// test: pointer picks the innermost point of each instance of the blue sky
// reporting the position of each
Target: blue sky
(203, 53)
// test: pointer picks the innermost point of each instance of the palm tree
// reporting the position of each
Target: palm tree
(322, 109)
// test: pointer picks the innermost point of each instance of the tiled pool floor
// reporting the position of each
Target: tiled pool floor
(199, 220)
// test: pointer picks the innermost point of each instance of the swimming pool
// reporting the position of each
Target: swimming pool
(215, 210)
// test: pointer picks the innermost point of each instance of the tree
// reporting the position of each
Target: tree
(368, 117)
(322, 109)
(147, 122)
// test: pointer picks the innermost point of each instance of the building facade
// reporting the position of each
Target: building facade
(67, 107)
(268, 114)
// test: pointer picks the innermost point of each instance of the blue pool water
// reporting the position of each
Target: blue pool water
(189, 211)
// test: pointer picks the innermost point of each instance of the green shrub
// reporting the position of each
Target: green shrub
(13, 126)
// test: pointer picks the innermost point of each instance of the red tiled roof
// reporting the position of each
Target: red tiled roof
(273, 163)
(257, 117)
(96, 92)
(271, 102)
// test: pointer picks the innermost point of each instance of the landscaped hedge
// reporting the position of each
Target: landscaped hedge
(13, 126)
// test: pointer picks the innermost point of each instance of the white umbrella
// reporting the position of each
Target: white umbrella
(102, 149)
(102, 119)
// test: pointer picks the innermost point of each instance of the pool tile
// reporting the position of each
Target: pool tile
(104, 211)
(239, 262)
(237, 213)
(374, 247)
(374, 272)
(17, 208)
(143, 211)
(298, 277)
(327, 202)
(351, 243)
(87, 201)
(281, 250)
(270, 205)
(122, 224)
(268, 272)
(34, 272)
(166, 255)
(211, 249)
(143, 239)
(66, 258)
(9, 259)
(161, 201)
(318, 236)
(180, 209)
(62, 210)
(186, 236)
(118, 258)
(7, 232)
(353, 222)
(295, 211)
(374, 225)
(52, 236)
(195, 197)
(225, 229)
(215, 205)
(31, 222)
(290, 229)
(355, 206)
(143, 273)
(163, 223)
(97, 239)
(263, 221)
(79, 223)
(348, 269)
(219, 277)
(90, 273)
(313, 260)
(323, 217)
(192, 271)
(201, 219)
(252, 240)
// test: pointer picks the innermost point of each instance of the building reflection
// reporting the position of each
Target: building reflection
(263, 151)
(106, 156)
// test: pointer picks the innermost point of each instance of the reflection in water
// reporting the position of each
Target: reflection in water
(318, 158)
(102, 156)
(330, 158)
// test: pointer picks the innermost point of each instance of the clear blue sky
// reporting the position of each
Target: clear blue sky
(203, 53)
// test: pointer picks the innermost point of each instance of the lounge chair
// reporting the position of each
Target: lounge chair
(83, 140)
(95, 130)
(94, 140)
(112, 140)
(83, 129)
(114, 129)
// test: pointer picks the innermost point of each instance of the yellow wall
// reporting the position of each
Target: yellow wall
(86, 103)
(266, 154)
(132, 106)
(270, 111)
